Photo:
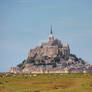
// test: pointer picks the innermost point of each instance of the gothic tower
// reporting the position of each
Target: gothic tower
(51, 37)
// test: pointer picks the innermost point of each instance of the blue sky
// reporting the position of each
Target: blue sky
(26, 23)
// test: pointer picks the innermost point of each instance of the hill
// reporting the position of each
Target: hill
(52, 57)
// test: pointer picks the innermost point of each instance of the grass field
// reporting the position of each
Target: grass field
(46, 83)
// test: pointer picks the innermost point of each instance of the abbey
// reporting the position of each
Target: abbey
(52, 48)
(52, 57)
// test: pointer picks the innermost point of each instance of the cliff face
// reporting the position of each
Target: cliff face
(52, 57)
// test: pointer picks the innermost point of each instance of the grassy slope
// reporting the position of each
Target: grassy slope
(47, 83)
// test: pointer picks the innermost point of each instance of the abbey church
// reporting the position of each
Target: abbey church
(51, 48)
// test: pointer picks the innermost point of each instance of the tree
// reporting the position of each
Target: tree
(30, 60)
(21, 65)
(81, 60)
(57, 59)
(74, 56)
(53, 63)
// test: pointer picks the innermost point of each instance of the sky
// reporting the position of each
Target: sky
(24, 24)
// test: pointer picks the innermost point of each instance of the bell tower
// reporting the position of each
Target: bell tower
(51, 37)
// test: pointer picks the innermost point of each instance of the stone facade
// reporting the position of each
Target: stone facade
(50, 49)
(14, 70)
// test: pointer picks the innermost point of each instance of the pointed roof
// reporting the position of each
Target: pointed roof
(51, 31)
(51, 37)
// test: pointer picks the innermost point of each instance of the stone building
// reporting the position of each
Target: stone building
(52, 57)
(50, 48)
(15, 70)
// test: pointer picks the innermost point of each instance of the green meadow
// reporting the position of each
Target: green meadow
(46, 83)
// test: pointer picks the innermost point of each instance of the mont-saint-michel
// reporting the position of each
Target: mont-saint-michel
(61, 62)
(52, 57)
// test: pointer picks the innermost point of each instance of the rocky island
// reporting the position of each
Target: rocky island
(52, 57)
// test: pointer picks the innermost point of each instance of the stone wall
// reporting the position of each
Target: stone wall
(50, 49)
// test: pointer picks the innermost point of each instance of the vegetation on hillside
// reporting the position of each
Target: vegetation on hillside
(45, 60)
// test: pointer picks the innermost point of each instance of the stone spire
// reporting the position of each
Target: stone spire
(51, 31)
(51, 37)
